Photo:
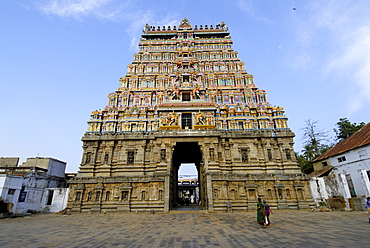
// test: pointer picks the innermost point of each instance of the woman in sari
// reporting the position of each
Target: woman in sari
(261, 213)
(367, 206)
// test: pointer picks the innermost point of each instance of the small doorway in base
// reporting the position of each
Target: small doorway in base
(188, 186)
(187, 191)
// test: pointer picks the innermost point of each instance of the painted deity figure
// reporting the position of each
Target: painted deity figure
(209, 120)
(196, 92)
(154, 99)
(224, 26)
(146, 28)
(126, 126)
(201, 120)
(175, 93)
(142, 126)
(248, 124)
(172, 119)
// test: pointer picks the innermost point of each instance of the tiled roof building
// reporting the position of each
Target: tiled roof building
(359, 139)
(344, 171)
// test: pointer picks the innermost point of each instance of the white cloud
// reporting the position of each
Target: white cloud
(77, 8)
(126, 11)
(139, 19)
(247, 6)
(335, 36)
(353, 62)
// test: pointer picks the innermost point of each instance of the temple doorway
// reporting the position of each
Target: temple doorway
(187, 191)
(188, 186)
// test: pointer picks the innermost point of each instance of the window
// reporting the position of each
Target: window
(269, 155)
(97, 196)
(186, 97)
(269, 193)
(350, 185)
(300, 194)
(130, 157)
(341, 159)
(88, 157)
(244, 153)
(78, 196)
(107, 195)
(215, 193)
(240, 125)
(89, 196)
(186, 121)
(11, 191)
(160, 194)
(211, 154)
(133, 127)
(287, 193)
(287, 153)
(280, 194)
(124, 195)
(252, 193)
(163, 154)
(50, 197)
(324, 163)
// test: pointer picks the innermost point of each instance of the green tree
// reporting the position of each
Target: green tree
(304, 164)
(346, 129)
(314, 145)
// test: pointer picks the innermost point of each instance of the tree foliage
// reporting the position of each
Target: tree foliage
(346, 129)
(304, 164)
(315, 144)
(316, 141)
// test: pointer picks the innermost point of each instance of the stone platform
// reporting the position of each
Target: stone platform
(184, 228)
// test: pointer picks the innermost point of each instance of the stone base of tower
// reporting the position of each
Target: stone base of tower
(139, 171)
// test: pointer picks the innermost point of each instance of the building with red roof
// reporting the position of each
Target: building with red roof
(344, 171)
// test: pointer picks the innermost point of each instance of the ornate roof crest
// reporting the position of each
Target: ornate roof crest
(185, 24)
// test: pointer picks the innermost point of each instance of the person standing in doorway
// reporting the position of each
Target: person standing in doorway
(267, 212)
(367, 206)
(261, 213)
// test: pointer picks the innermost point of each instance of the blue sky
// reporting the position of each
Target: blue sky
(60, 59)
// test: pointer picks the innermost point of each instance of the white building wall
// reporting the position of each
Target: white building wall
(10, 182)
(56, 168)
(34, 185)
(316, 190)
(33, 200)
(357, 163)
(323, 188)
(60, 200)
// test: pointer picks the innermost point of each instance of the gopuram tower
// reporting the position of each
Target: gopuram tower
(187, 98)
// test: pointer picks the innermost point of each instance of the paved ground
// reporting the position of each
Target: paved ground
(187, 229)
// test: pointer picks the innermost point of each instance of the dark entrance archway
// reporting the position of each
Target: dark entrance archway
(186, 152)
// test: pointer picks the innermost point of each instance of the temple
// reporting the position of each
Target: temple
(187, 98)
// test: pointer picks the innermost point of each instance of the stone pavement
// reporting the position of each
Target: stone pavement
(187, 229)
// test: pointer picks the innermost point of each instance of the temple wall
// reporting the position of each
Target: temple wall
(133, 174)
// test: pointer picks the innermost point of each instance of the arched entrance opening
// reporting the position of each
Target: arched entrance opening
(186, 153)
(188, 186)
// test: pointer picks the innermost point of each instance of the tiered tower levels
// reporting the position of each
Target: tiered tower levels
(187, 78)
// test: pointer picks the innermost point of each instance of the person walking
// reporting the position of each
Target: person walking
(261, 213)
(367, 206)
(267, 212)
